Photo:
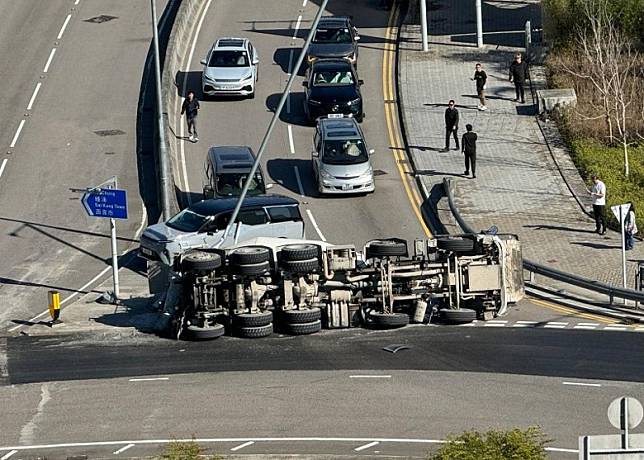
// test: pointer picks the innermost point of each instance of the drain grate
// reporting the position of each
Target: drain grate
(100, 19)
(109, 132)
(379, 172)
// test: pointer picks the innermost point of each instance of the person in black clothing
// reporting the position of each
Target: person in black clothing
(481, 79)
(469, 150)
(519, 74)
(451, 125)
(191, 107)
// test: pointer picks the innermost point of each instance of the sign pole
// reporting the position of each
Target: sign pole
(423, 23)
(115, 260)
(479, 24)
(621, 224)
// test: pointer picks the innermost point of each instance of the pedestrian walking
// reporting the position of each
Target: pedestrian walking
(480, 77)
(519, 74)
(191, 108)
(630, 227)
(451, 124)
(598, 194)
(469, 150)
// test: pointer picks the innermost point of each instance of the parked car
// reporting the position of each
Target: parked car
(332, 86)
(340, 157)
(230, 68)
(335, 37)
(226, 171)
(202, 225)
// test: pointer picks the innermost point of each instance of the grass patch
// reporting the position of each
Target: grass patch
(185, 450)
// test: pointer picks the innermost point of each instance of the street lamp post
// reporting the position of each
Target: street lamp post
(423, 23)
(479, 24)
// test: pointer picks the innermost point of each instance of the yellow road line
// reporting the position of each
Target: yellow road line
(391, 118)
(573, 312)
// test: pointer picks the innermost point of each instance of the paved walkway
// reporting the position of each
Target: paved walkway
(518, 186)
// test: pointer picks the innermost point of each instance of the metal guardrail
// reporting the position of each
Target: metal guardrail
(536, 268)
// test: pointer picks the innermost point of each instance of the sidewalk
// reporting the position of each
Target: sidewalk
(518, 186)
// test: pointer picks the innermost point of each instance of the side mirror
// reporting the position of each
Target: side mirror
(203, 62)
(357, 37)
(371, 151)
(269, 186)
(256, 60)
(314, 153)
(305, 84)
(361, 82)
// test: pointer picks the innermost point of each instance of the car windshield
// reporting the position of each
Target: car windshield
(332, 78)
(228, 59)
(187, 221)
(344, 152)
(231, 184)
(335, 35)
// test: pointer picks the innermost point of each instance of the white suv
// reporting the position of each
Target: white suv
(230, 68)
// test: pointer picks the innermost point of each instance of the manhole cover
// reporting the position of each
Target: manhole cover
(109, 132)
(379, 172)
(100, 19)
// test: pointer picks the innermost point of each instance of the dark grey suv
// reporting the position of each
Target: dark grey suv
(335, 37)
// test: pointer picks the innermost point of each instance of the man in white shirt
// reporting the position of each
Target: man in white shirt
(598, 193)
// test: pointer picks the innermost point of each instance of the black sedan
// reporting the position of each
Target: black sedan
(332, 86)
(335, 37)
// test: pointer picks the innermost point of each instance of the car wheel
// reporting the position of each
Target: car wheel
(193, 332)
(303, 328)
(458, 315)
(456, 244)
(386, 248)
(387, 320)
(250, 255)
(252, 269)
(255, 332)
(301, 266)
(200, 261)
(299, 252)
(301, 316)
(262, 318)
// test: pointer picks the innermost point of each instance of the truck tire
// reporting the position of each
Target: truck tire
(458, 315)
(456, 244)
(301, 316)
(301, 266)
(253, 319)
(193, 332)
(250, 255)
(303, 328)
(200, 261)
(386, 248)
(387, 320)
(252, 269)
(299, 252)
(255, 332)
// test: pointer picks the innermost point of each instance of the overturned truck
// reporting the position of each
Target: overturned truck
(301, 286)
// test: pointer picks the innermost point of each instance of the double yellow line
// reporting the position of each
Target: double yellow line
(391, 118)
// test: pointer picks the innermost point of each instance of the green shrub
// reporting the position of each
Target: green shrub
(184, 450)
(515, 444)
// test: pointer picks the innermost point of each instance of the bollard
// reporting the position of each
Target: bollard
(54, 305)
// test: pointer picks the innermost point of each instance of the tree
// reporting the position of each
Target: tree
(515, 444)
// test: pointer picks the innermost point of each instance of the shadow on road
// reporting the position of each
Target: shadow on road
(282, 171)
(294, 116)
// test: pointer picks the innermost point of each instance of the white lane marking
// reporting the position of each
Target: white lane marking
(589, 328)
(62, 29)
(299, 181)
(17, 135)
(33, 96)
(76, 2)
(554, 326)
(639, 329)
(304, 3)
(370, 376)
(2, 166)
(582, 384)
(297, 26)
(559, 449)
(290, 138)
(148, 379)
(51, 57)
(123, 449)
(615, 328)
(290, 61)
(497, 321)
(241, 446)
(315, 225)
(587, 324)
(184, 171)
(523, 325)
(8, 454)
(558, 323)
(494, 325)
(526, 322)
(366, 446)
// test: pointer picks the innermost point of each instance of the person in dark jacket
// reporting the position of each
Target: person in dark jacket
(191, 108)
(519, 74)
(480, 77)
(451, 124)
(469, 150)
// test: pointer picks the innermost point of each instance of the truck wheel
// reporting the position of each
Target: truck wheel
(456, 244)
(193, 332)
(254, 332)
(301, 316)
(250, 255)
(253, 319)
(458, 315)
(301, 266)
(386, 248)
(303, 328)
(387, 320)
(200, 261)
(252, 269)
(299, 252)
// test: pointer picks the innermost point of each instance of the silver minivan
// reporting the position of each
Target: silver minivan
(340, 157)
(202, 225)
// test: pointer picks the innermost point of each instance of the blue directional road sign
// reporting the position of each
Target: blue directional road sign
(109, 203)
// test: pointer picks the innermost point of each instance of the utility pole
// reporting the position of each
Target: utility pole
(164, 181)
(423, 23)
(479, 24)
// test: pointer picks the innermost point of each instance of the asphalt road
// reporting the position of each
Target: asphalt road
(449, 380)
(271, 26)
(79, 107)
